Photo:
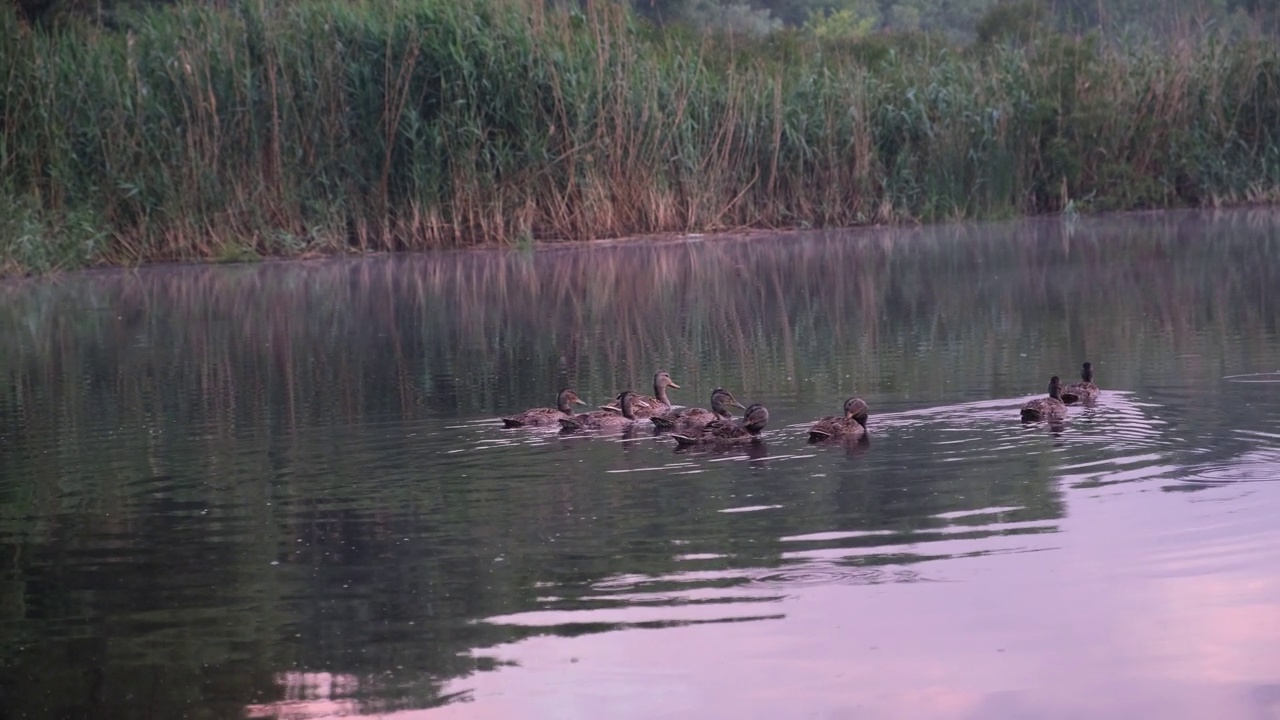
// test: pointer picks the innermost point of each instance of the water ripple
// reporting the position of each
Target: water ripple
(1256, 466)
(729, 587)
(817, 573)
(1262, 377)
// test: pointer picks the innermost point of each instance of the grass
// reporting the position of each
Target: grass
(261, 129)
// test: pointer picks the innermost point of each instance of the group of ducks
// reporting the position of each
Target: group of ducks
(689, 426)
(717, 426)
(1054, 407)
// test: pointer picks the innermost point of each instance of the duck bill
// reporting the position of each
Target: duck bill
(673, 384)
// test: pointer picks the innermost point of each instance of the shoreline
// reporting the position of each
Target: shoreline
(640, 240)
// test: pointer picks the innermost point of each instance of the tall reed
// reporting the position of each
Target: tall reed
(328, 125)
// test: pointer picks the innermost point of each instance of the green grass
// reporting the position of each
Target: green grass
(333, 126)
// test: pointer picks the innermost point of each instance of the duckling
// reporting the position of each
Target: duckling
(647, 406)
(727, 433)
(853, 425)
(692, 420)
(1050, 408)
(604, 419)
(1082, 392)
(543, 416)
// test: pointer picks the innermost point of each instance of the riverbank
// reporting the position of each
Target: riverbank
(329, 127)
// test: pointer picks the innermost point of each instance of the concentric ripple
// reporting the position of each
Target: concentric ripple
(1255, 466)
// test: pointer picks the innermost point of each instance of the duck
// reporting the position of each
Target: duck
(852, 425)
(604, 419)
(693, 419)
(728, 433)
(1050, 408)
(647, 406)
(543, 416)
(1084, 391)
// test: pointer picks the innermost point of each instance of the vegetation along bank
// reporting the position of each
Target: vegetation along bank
(234, 130)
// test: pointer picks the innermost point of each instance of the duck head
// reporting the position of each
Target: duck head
(856, 409)
(625, 400)
(662, 381)
(720, 399)
(567, 399)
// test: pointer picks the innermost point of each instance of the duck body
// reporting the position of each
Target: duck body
(604, 419)
(545, 416)
(1050, 408)
(693, 420)
(728, 433)
(852, 425)
(1084, 391)
(649, 405)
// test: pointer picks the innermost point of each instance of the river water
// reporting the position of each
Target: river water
(282, 490)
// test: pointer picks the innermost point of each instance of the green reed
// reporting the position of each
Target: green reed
(283, 129)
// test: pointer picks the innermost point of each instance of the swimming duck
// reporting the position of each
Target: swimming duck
(1084, 391)
(852, 425)
(604, 419)
(648, 406)
(693, 419)
(1050, 408)
(727, 433)
(543, 416)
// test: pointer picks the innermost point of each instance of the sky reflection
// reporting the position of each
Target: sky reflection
(1110, 618)
(1114, 622)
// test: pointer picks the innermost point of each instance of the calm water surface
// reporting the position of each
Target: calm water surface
(283, 491)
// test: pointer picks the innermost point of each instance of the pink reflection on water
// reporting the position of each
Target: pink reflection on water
(1177, 617)
(1120, 621)
(309, 696)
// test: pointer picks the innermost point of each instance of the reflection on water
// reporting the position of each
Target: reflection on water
(283, 490)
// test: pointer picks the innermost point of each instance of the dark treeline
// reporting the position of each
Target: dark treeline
(961, 19)
(958, 17)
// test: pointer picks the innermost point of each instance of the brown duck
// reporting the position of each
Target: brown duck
(647, 406)
(1050, 408)
(852, 425)
(693, 420)
(727, 433)
(543, 416)
(604, 419)
(1081, 392)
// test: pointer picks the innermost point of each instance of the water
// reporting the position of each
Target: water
(282, 490)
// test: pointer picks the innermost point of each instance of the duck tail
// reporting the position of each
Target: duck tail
(1068, 398)
(512, 422)
(818, 435)
(1030, 414)
(569, 424)
(663, 423)
(685, 440)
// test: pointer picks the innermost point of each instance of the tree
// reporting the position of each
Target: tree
(857, 18)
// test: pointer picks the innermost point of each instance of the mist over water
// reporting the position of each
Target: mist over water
(282, 490)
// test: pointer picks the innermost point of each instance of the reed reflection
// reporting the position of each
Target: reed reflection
(482, 332)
